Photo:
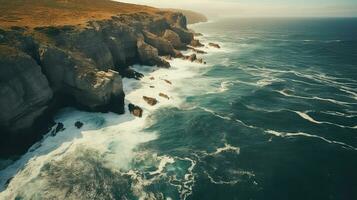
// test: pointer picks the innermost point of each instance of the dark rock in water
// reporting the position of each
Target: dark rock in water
(135, 110)
(151, 86)
(78, 124)
(60, 127)
(196, 43)
(151, 101)
(193, 58)
(152, 78)
(168, 82)
(199, 60)
(130, 73)
(214, 45)
(197, 50)
(164, 96)
(8, 181)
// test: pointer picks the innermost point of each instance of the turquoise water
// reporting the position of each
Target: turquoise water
(272, 116)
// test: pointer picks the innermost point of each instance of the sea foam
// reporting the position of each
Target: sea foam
(115, 138)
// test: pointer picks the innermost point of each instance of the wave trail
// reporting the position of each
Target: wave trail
(309, 118)
(285, 134)
(227, 118)
(342, 103)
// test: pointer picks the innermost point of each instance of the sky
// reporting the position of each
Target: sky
(261, 8)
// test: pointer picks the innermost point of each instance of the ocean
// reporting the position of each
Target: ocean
(273, 115)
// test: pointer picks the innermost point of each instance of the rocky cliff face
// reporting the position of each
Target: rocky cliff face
(43, 67)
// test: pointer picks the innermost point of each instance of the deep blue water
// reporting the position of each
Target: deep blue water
(274, 70)
(273, 115)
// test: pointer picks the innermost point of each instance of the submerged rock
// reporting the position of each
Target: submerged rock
(164, 96)
(192, 57)
(214, 45)
(59, 128)
(135, 110)
(199, 60)
(78, 124)
(197, 50)
(130, 73)
(151, 101)
(168, 82)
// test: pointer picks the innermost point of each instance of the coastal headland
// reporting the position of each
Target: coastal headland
(59, 53)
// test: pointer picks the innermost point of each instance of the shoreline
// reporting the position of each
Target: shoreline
(67, 140)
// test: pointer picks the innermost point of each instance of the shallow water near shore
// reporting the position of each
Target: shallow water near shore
(273, 115)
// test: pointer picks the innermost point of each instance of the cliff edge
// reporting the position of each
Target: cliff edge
(59, 53)
(192, 16)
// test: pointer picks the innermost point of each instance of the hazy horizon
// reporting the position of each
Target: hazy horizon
(260, 8)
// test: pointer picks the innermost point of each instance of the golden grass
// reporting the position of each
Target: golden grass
(37, 13)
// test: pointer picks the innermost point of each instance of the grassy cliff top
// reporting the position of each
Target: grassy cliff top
(36, 13)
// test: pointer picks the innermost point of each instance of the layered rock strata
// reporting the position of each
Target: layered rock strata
(45, 68)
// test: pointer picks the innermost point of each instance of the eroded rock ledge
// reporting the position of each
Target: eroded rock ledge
(45, 68)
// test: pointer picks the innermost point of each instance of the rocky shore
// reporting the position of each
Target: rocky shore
(45, 68)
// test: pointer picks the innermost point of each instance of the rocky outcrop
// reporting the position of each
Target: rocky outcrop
(149, 55)
(196, 43)
(193, 58)
(151, 101)
(135, 110)
(174, 39)
(44, 68)
(214, 45)
(185, 35)
(164, 96)
(163, 46)
(197, 50)
(130, 73)
(78, 124)
(168, 82)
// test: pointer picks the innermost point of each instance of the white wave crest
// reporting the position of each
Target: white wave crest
(310, 119)
(285, 134)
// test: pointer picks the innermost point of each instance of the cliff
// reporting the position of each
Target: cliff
(192, 17)
(59, 53)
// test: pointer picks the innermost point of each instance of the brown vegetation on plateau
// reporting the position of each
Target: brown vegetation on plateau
(36, 13)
